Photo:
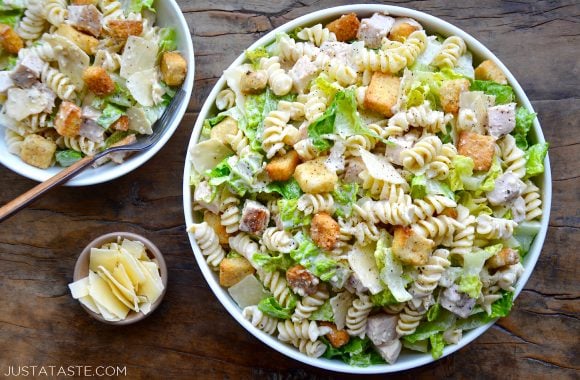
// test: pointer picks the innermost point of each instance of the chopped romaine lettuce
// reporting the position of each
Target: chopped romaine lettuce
(115, 138)
(470, 285)
(287, 189)
(328, 87)
(499, 309)
(419, 187)
(271, 307)
(466, 199)
(524, 122)
(461, 168)
(437, 345)
(138, 5)
(383, 298)
(167, 40)
(503, 93)
(254, 56)
(316, 261)
(121, 97)
(422, 186)
(10, 17)
(535, 156)
(443, 322)
(67, 157)
(525, 233)
(273, 263)
(110, 114)
(290, 216)
(420, 86)
(323, 313)
(494, 172)
(433, 312)
(392, 271)
(344, 197)
(357, 352)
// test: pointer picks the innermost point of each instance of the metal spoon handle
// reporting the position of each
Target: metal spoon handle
(28, 197)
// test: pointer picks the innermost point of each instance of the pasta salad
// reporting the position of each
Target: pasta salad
(367, 187)
(80, 76)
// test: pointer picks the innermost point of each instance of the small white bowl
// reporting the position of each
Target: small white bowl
(168, 15)
(407, 360)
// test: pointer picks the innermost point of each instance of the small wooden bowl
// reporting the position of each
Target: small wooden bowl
(82, 270)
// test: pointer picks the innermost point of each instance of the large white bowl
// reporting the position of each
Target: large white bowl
(407, 359)
(168, 15)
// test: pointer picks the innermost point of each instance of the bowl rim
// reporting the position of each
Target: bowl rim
(111, 237)
(115, 171)
(411, 360)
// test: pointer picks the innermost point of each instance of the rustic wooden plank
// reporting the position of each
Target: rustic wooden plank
(191, 334)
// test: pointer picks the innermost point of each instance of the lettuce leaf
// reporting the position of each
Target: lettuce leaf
(422, 186)
(535, 156)
(110, 114)
(344, 197)
(357, 352)
(525, 233)
(271, 307)
(503, 93)
(383, 298)
(315, 260)
(138, 5)
(465, 198)
(121, 97)
(322, 127)
(461, 168)
(499, 309)
(433, 312)
(254, 56)
(167, 40)
(421, 86)
(524, 122)
(273, 263)
(287, 189)
(419, 187)
(10, 17)
(66, 158)
(328, 87)
(323, 313)
(443, 322)
(290, 216)
(437, 345)
(494, 172)
(391, 272)
(470, 285)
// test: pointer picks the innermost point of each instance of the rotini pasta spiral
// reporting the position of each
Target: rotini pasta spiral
(80, 144)
(291, 51)
(357, 316)
(315, 104)
(13, 141)
(33, 24)
(259, 320)
(422, 153)
(208, 242)
(277, 284)
(107, 60)
(419, 116)
(230, 212)
(342, 73)
(315, 203)
(409, 319)
(385, 212)
(392, 60)
(280, 82)
(309, 304)
(312, 349)
(225, 99)
(239, 143)
(380, 189)
(316, 35)
(112, 10)
(289, 331)
(438, 228)
(533, 201)
(453, 48)
(495, 228)
(513, 157)
(42, 49)
(431, 204)
(277, 132)
(245, 246)
(58, 82)
(306, 150)
(431, 274)
(56, 11)
(464, 237)
(37, 122)
(441, 164)
(276, 240)
(467, 120)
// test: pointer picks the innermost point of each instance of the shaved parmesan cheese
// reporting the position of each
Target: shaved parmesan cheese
(249, 291)
(207, 154)
(135, 248)
(107, 258)
(80, 288)
(380, 168)
(132, 267)
(140, 85)
(479, 102)
(138, 121)
(22, 103)
(340, 305)
(122, 277)
(89, 303)
(150, 288)
(139, 55)
(121, 292)
(72, 60)
(362, 261)
(101, 293)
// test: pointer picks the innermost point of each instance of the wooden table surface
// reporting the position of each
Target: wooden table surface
(191, 335)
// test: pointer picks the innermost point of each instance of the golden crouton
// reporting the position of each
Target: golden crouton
(449, 94)
(488, 70)
(411, 248)
(253, 82)
(314, 177)
(301, 281)
(122, 124)
(87, 43)
(37, 151)
(282, 167)
(122, 29)
(68, 119)
(505, 257)
(401, 31)
(382, 93)
(228, 126)
(9, 40)
(214, 221)
(324, 231)
(336, 337)
(98, 81)
(233, 270)
(479, 147)
(345, 28)
(85, 2)
(173, 68)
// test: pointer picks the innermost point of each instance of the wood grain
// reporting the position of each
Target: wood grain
(191, 335)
